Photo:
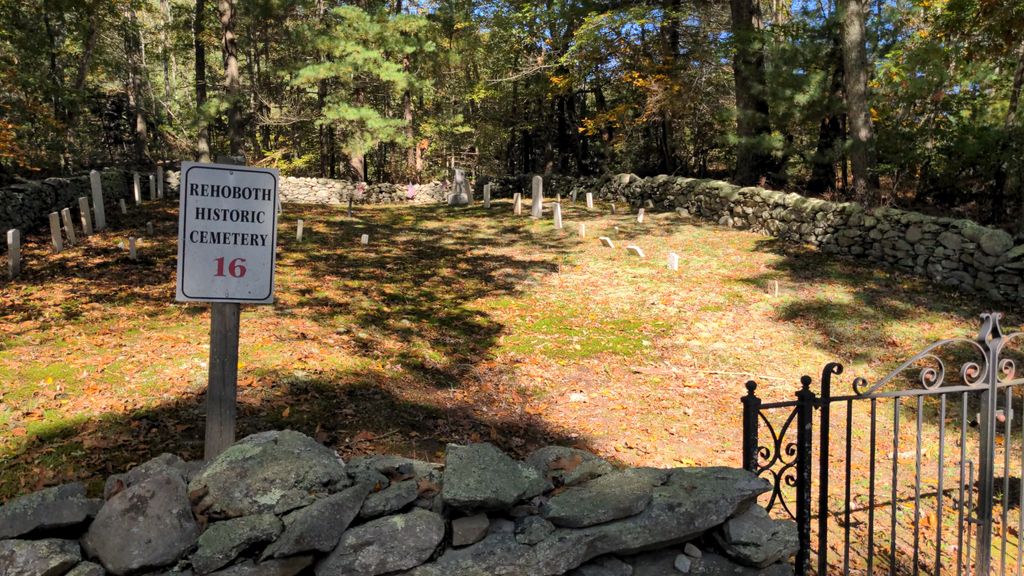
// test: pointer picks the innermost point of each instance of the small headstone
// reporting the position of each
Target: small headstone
(776, 283)
(640, 216)
(558, 216)
(517, 204)
(298, 230)
(149, 228)
(137, 188)
(96, 183)
(160, 182)
(152, 187)
(673, 261)
(83, 207)
(13, 253)
(124, 208)
(583, 230)
(574, 194)
(69, 226)
(635, 250)
(58, 240)
(460, 190)
(590, 202)
(487, 195)
(607, 242)
(537, 207)
(131, 249)
(364, 239)
(613, 207)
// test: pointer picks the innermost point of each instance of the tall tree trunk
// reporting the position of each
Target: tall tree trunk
(133, 51)
(232, 77)
(202, 127)
(1004, 181)
(165, 52)
(855, 77)
(753, 158)
(830, 129)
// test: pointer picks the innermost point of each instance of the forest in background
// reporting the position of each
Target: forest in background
(889, 102)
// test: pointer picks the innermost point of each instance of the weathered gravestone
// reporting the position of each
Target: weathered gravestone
(58, 240)
(364, 239)
(83, 208)
(152, 187)
(137, 188)
(607, 242)
(517, 204)
(673, 261)
(298, 230)
(122, 206)
(69, 226)
(583, 230)
(460, 190)
(160, 182)
(13, 253)
(640, 216)
(97, 199)
(537, 207)
(487, 195)
(558, 216)
(635, 250)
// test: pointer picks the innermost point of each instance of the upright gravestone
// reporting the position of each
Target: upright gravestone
(537, 208)
(124, 209)
(640, 216)
(13, 253)
(460, 190)
(131, 249)
(635, 250)
(149, 228)
(558, 216)
(160, 182)
(583, 230)
(83, 207)
(152, 187)
(364, 239)
(573, 195)
(517, 204)
(487, 195)
(590, 201)
(613, 207)
(69, 226)
(298, 230)
(673, 261)
(137, 188)
(58, 240)
(96, 183)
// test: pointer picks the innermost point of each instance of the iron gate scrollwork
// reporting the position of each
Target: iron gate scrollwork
(778, 444)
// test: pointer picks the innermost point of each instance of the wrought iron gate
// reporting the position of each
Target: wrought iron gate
(958, 521)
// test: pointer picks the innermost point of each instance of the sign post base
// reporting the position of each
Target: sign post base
(222, 390)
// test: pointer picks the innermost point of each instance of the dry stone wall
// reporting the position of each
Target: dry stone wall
(279, 503)
(950, 251)
(25, 205)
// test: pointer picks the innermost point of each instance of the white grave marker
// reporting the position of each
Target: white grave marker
(152, 187)
(590, 201)
(58, 240)
(137, 188)
(487, 195)
(537, 208)
(635, 250)
(298, 230)
(131, 249)
(13, 253)
(96, 183)
(640, 216)
(517, 204)
(69, 226)
(558, 216)
(83, 207)
(607, 242)
(227, 233)
(673, 261)
(574, 193)
(583, 230)
(124, 208)
(364, 239)
(613, 207)
(160, 182)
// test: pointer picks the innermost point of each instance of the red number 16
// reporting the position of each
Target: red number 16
(236, 268)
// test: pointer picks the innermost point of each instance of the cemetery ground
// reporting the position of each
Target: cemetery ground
(451, 325)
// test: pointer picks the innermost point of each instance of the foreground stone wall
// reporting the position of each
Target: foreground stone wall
(278, 503)
(950, 251)
(26, 205)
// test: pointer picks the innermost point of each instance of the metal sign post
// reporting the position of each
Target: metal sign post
(227, 239)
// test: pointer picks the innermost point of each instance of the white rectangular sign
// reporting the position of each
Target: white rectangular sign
(227, 233)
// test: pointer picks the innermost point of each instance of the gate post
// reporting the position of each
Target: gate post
(806, 401)
(990, 338)
(751, 408)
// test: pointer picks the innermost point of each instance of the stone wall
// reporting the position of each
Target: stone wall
(950, 251)
(278, 503)
(26, 205)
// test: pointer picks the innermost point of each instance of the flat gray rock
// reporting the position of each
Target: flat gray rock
(385, 545)
(603, 566)
(389, 500)
(482, 477)
(222, 542)
(754, 539)
(53, 508)
(146, 526)
(501, 555)
(49, 557)
(87, 569)
(715, 565)
(531, 530)
(568, 466)
(284, 567)
(610, 497)
(251, 476)
(656, 563)
(319, 526)
(469, 529)
(162, 464)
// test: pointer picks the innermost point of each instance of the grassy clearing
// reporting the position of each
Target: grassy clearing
(451, 326)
